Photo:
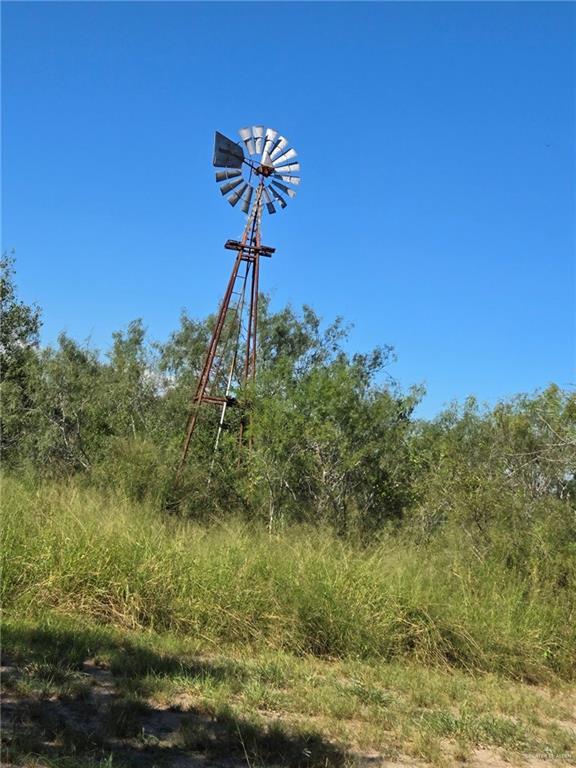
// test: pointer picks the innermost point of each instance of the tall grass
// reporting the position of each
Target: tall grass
(78, 552)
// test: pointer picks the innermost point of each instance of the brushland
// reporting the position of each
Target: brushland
(360, 585)
(397, 649)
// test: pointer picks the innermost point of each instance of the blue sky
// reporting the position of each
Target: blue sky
(436, 211)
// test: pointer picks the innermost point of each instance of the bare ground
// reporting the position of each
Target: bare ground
(96, 727)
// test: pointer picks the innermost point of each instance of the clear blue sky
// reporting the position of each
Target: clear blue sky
(436, 211)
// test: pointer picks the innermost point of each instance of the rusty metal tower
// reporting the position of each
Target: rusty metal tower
(259, 172)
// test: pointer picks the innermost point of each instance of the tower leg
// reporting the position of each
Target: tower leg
(208, 363)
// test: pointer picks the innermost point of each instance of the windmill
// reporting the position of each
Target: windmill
(259, 173)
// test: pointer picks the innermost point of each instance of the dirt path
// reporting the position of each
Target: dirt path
(95, 722)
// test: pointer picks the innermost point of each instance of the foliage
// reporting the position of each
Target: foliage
(331, 445)
(80, 551)
(497, 476)
(333, 438)
(19, 329)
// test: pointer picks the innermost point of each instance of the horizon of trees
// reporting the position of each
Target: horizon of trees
(335, 439)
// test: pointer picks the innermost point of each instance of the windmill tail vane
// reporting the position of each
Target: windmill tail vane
(258, 172)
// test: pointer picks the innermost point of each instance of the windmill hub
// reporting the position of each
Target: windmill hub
(265, 170)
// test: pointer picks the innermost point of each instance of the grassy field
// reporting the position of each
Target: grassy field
(133, 639)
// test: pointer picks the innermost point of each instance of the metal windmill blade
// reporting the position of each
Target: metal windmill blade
(279, 197)
(288, 179)
(273, 147)
(246, 136)
(289, 168)
(246, 199)
(285, 157)
(284, 188)
(269, 144)
(225, 188)
(235, 196)
(268, 201)
(258, 133)
(229, 174)
(227, 154)
(281, 144)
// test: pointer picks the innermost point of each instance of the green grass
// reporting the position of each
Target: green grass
(80, 553)
(297, 650)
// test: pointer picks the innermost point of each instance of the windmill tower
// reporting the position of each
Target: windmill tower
(259, 173)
